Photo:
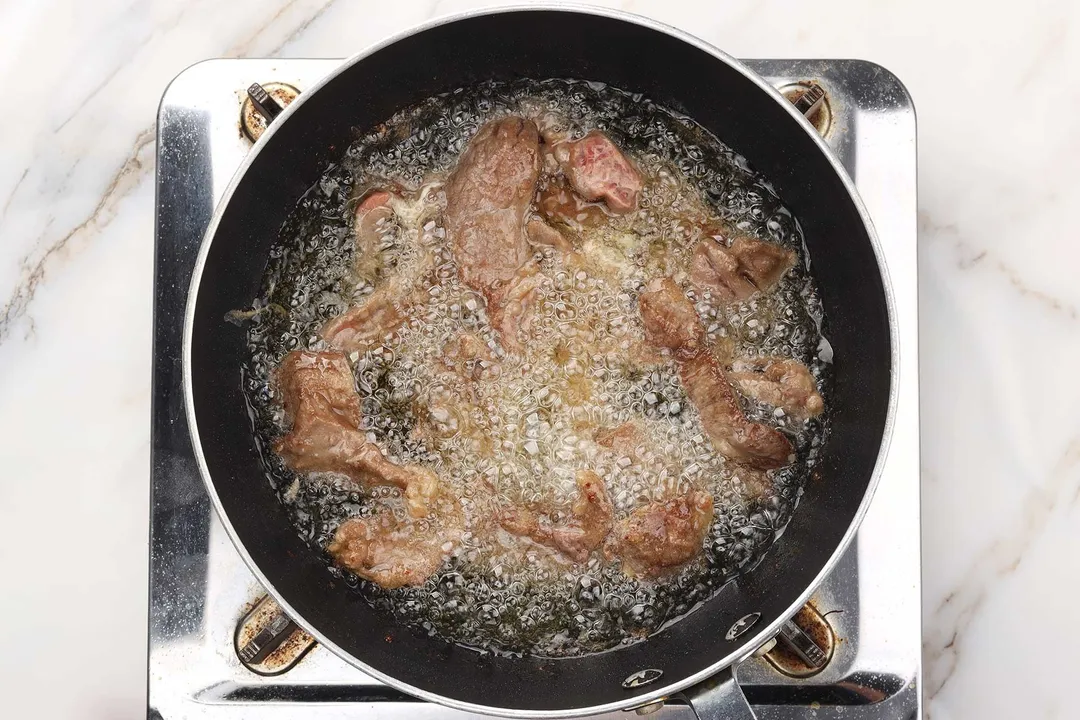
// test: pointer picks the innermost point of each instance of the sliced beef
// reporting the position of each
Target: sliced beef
(669, 318)
(590, 524)
(733, 273)
(733, 435)
(324, 409)
(540, 233)
(598, 170)
(371, 323)
(392, 552)
(371, 218)
(318, 387)
(487, 198)
(763, 262)
(661, 536)
(779, 382)
(671, 322)
(716, 270)
(384, 312)
(510, 310)
(560, 205)
(624, 439)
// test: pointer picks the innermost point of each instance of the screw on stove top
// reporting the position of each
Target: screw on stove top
(650, 708)
(263, 103)
(766, 648)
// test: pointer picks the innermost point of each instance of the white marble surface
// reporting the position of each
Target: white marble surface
(999, 135)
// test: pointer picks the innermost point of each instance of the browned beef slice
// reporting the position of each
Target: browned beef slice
(324, 409)
(671, 321)
(598, 170)
(487, 198)
(663, 535)
(590, 525)
(780, 382)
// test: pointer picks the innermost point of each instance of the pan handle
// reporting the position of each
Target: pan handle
(718, 698)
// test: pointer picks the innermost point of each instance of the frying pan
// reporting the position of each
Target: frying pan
(694, 656)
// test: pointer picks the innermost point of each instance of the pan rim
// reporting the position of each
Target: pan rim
(753, 641)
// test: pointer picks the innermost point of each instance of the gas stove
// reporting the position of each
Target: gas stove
(219, 648)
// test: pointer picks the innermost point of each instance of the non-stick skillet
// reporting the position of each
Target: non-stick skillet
(693, 656)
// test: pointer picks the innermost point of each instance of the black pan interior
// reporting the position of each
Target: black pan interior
(543, 44)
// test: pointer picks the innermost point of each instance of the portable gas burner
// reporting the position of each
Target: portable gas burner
(220, 648)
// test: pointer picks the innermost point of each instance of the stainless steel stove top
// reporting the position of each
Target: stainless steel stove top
(200, 588)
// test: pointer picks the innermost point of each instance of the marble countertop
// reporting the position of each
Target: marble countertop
(998, 130)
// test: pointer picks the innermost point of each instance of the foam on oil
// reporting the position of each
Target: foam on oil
(523, 423)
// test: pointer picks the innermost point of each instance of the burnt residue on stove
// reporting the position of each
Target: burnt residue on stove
(252, 124)
(287, 648)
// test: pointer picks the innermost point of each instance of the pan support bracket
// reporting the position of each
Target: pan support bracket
(812, 100)
(262, 103)
(796, 650)
(806, 650)
(267, 641)
(801, 647)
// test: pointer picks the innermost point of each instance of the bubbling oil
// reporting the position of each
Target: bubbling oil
(522, 424)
